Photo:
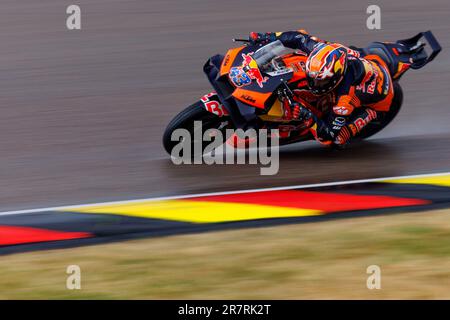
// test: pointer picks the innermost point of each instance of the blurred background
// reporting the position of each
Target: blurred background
(83, 111)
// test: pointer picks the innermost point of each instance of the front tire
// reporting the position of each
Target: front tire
(185, 120)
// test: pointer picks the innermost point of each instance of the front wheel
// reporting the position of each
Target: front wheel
(377, 125)
(185, 120)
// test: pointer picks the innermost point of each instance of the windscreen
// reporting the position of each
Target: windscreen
(272, 50)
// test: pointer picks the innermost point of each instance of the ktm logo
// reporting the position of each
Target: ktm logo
(248, 98)
(226, 60)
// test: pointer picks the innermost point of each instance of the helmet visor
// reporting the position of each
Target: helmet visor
(321, 85)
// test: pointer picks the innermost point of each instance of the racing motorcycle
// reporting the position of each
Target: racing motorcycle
(262, 82)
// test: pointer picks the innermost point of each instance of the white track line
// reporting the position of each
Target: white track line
(316, 185)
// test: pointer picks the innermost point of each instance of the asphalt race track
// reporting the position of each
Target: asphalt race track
(82, 112)
(63, 227)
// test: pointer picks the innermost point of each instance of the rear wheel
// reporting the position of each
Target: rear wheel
(377, 125)
(185, 120)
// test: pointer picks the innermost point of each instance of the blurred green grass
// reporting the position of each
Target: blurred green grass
(320, 260)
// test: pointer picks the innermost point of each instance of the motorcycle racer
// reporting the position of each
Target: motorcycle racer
(362, 85)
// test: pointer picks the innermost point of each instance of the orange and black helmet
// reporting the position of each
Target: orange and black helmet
(325, 67)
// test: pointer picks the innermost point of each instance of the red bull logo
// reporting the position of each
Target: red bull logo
(251, 68)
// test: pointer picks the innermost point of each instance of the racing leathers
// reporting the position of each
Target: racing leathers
(365, 90)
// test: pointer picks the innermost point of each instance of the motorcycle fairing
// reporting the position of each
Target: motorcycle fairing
(253, 94)
(243, 103)
(228, 60)
(241, 114)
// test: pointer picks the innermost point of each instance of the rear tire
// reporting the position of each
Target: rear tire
(185, 120)
(377, 125)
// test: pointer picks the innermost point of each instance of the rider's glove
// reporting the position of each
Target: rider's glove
(301, 113)
(261, 38)
(344, 135)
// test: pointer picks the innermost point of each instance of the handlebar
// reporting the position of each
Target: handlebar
(287, 94)
(241, 40)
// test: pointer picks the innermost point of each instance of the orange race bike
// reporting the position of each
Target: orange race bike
(255, 86)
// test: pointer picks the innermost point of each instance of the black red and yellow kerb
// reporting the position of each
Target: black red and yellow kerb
(90, 224)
